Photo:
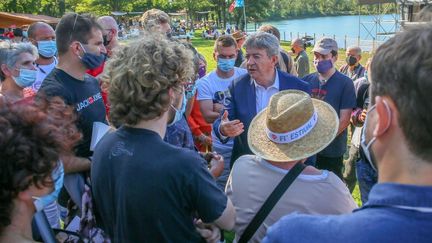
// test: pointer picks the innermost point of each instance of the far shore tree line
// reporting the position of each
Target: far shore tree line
(257, 10)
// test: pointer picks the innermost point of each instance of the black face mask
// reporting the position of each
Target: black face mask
(293, 51)
(106, 42)
(351, 60)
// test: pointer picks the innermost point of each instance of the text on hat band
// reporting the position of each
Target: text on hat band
(294, 135)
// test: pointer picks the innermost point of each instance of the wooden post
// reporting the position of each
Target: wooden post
(345, 42)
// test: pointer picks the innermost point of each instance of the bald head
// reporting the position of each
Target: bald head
(35, 29)
(298, 42)
(109, 33)
(354, 51)
(108, 22)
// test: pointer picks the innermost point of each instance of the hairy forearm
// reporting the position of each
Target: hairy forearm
(343, 124)
(74, 164)
(211, 116)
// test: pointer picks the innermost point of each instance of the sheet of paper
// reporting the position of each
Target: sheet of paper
(74, 225)
(99, 130)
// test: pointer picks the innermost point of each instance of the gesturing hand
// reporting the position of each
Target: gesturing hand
(230, 128)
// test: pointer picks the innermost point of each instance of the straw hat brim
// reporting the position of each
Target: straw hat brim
(316, 140)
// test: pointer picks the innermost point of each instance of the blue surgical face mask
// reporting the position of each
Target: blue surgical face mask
(57, 176)
(179, 113)
(225, 65)
(47, 48)
(25, 34)
(26, 77)
(91, 60)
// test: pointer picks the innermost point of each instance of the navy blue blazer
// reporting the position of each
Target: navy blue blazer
(243, 107)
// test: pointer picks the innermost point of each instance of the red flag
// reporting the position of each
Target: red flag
(232, 7)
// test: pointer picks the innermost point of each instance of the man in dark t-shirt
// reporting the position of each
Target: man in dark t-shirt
(80, 47)
(85, 96)
(150, 190)
(145, 189)
(338, 90)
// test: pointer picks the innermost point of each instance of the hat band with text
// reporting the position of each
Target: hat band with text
(294, 135)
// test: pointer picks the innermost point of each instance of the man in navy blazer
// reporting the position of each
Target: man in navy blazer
(251, 93)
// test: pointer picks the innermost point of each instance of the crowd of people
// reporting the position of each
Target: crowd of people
(142, 143)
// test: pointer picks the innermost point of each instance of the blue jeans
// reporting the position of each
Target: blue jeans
(367, 178)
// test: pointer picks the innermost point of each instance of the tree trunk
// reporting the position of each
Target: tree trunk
(224, 14)
(62, 7)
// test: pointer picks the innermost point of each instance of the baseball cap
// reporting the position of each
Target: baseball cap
(325, 45)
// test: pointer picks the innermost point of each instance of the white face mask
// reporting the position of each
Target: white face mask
(368, 153)
(367, 147)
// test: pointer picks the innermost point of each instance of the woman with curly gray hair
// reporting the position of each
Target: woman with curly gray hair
(17, 69)
(144, 188)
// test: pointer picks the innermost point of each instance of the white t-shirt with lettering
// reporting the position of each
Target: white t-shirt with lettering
(212, 87)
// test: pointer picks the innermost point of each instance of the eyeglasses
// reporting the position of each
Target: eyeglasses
(73, 27)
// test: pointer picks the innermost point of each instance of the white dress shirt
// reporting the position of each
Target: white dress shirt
(263, 94)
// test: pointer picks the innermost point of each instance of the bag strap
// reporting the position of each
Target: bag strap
(286, 61)
(271, 202)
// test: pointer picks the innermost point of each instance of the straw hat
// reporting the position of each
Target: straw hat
(292, 127)
(238, 35)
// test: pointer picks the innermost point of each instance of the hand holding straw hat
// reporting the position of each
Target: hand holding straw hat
(292, 127)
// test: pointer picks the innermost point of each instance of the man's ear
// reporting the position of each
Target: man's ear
(384, 116)
(275, 60)
(33, 41)
(76, 48)
(335, 58)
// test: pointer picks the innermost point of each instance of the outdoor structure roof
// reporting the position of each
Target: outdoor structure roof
(19, 19)
(117, 13)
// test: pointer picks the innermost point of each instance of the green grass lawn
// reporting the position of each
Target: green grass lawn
(205, 47)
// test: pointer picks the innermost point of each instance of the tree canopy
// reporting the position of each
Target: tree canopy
(257, 10)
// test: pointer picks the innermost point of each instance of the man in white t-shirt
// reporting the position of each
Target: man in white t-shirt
(43, 37)
(213, 93)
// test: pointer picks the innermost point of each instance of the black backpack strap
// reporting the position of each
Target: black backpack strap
(271, 202)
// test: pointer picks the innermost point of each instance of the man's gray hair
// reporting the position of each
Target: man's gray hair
(263, 40)
(299, 42)
(357, 49)
(10, 54)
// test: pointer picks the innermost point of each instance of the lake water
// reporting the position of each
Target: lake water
(347, 30)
